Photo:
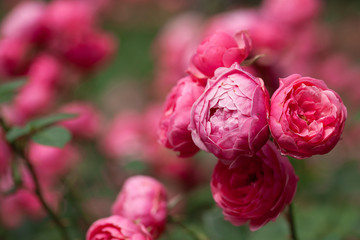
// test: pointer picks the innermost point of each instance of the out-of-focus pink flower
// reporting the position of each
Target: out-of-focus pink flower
(52, 162)
(173, 49)
(174, 133)
(219, 50)
(124, 138)
(306, 117)
(34, 98)
(230, 118)
(46, 71)
(24, 21)
(143, 199)
(68, 18)
(295, 12)
(256, 189)
(265, 35)
(88, 50)
(14, 57)
(117, 228)
(87, 122)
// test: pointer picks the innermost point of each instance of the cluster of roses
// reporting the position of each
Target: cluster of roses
(139, 212)
(224, 110)
(52, 45)
(49, 45)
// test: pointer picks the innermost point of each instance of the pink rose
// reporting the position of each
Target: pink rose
(306, 117)
(24, 21)
(87, 50)
(256, 189)
(294, 12)
(124, 138)
(230, 118)
(143, 199)
(117, 228)
(219, 50)
(45, 70)
(52, 162)
(87, 122)
(174, 133)
(14, 57)
(173, 49)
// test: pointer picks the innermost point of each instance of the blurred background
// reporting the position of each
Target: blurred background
(138, 49)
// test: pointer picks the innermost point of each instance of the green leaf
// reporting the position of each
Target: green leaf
(8, 90)
(136, 167)
(53, 136)
(17, 132)
(45, 121)
(36, 125)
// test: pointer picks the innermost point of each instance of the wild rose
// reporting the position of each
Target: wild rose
(87, 122)
(117, 228)
(306, 117)
(256, 189)
(143, 199)
(174, 133)
(219, 50)
(231, 117)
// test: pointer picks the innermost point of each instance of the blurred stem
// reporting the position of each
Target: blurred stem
(195, 234)
(76, 202)
(19, 150)
(291, 221)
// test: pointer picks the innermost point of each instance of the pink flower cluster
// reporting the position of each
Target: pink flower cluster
(223, 109)
(139, 212)
(52, 45)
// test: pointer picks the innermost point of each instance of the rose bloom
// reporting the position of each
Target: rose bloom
(256, 189)
(117, 228)
(219, 50)
(143, 199)
(174, 133)
(231, 117)
(306, 117)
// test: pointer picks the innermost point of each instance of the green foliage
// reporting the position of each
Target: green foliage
(36, 125)
(8, 90)
(52, 136)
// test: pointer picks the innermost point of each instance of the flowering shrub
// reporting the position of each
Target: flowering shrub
(191, 131)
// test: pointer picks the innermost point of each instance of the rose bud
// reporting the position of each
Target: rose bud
(174, 133)
(219, 50)
(88, 50)
(306, 117)
(14, 57)
(45, 70)
(256, 189)
(24, 21)
(143, 199)
(117, 228)
(230, 118)
(87, 122)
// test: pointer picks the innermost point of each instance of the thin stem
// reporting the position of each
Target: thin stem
(20, 152)
(291, 221)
